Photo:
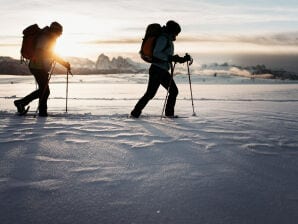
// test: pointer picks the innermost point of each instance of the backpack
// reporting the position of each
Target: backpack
(153, 31)
(30, 36)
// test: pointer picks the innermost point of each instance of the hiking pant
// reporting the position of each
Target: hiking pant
(158, 76)
(43, 91)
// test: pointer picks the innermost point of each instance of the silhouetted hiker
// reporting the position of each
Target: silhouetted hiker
(40, 64)
(162, 58)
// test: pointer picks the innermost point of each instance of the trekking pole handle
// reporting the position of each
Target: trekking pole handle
(190, 59)
(69, 72)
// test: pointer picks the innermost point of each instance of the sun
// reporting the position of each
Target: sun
(71, 46)
(74, 46)
(66, 47)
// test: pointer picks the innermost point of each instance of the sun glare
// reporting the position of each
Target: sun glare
(66, 47)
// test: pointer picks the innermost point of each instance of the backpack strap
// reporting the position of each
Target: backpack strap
(166, 46)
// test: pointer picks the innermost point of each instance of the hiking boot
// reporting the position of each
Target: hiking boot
(135, 114)
(43, 113)
(172, 116)
(20, 106)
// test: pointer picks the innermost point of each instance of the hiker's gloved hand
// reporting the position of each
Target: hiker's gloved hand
(67, 66)
(176, 58)
(187, 58)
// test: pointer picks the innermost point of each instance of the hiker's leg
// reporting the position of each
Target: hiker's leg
(167, 80)
(42, 78)
(32, 96)
(152, 88)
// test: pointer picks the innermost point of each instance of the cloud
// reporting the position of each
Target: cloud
(280, 39)
(277, 39)
(10, 41)
(9, 45)
(114, 41)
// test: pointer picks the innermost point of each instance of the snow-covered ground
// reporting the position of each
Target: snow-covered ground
(235, 162)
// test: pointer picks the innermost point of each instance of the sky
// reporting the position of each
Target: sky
(92, 27)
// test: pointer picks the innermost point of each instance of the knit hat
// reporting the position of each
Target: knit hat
(173, 27)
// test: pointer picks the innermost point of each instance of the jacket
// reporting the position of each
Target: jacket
(163, 50)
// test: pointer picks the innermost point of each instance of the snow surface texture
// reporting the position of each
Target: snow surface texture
(236, 162)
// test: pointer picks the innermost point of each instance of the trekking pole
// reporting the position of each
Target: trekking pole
(193, 107)
(66, 91)
(44, 90)
(68, 72)
(168, 90)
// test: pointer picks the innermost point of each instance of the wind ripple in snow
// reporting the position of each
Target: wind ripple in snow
(42, 185)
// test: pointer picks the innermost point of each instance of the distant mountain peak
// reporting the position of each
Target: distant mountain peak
(117, 63)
